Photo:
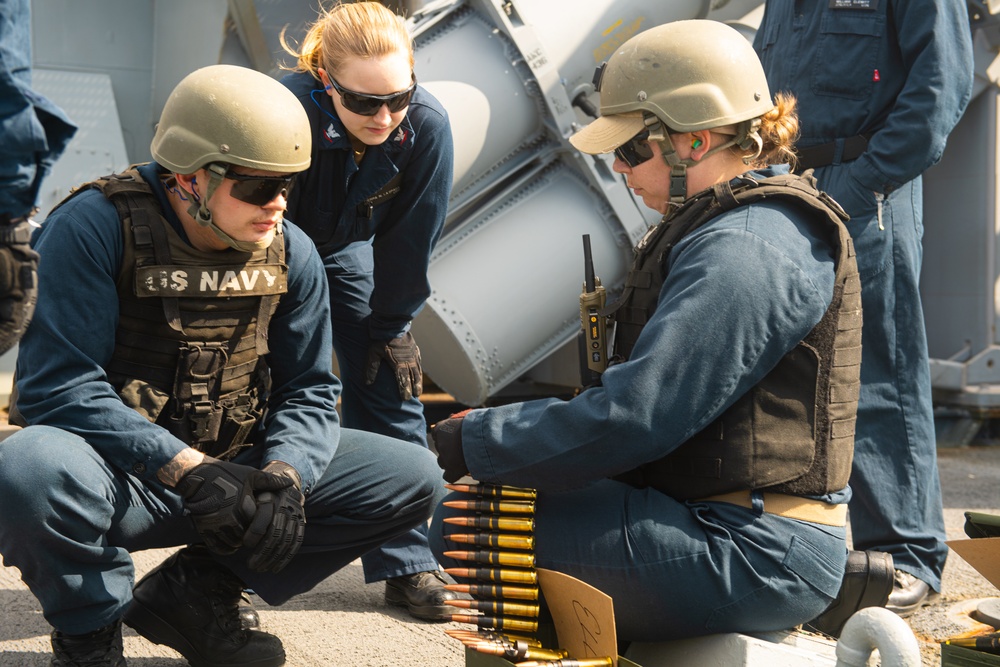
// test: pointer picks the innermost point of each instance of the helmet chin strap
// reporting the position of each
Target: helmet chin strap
(678, 167)
(747, 137)
(199, 211)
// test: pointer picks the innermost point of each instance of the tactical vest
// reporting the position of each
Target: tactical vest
(794, 431)
(192, 328)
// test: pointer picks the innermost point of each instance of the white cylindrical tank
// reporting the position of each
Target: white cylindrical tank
(507, 275)
(496, 120)
(506, 283)
(582, 35)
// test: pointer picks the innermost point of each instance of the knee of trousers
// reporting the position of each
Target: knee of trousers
(39, 463)
(418, 483)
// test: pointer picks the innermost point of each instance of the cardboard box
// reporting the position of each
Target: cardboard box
(583, 619)
(983, 554)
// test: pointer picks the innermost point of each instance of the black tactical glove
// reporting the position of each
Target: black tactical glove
(446, 439)
(221, 497)
(18, 280)
(279, 525)
(403, 357)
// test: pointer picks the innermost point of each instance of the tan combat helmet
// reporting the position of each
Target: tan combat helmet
(681, 76)
(224, 115)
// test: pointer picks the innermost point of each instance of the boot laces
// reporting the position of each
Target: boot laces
(225, 597)
(101, 648)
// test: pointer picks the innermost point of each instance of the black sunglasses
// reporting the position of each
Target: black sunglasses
(259, 190)
(636, 150)
(364, 104)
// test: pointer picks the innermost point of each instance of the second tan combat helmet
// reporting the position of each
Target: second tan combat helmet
(691, 75)
(233, 115)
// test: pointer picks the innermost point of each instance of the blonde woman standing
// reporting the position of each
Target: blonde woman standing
(374, 202)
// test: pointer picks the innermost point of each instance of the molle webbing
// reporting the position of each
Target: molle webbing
(192, 331)
(794, 431)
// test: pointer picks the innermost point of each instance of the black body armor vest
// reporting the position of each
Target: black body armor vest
(192, 329)
(794, 431)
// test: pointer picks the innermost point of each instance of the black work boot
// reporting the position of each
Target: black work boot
(423, 594)
(909, 594)
(100, 648)
(867, 582)
(249, 618)
(190, 603)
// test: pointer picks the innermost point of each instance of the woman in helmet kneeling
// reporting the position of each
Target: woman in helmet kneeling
(702, 483)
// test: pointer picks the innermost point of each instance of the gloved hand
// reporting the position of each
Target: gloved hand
(221, 497)
(279, 525)
(18, 280)
(446, 438)
(403, 357)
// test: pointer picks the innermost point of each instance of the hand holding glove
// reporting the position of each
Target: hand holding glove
(221, 498)
(403, 357)
(446, 439)
(279, 525)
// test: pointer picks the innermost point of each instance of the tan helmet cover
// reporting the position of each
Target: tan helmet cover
(233, 115)
(693, 75)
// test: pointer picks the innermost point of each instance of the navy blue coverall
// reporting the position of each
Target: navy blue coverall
(34, 132)
(900, 72)
(376, 259)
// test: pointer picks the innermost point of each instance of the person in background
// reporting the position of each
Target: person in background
(374, 202)
(176, 390)
(880, 86)
(34, 132)
(702, 484)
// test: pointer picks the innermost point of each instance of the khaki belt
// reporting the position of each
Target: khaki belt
(790, 507)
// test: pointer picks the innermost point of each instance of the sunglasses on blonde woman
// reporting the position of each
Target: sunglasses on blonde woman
(364, 104)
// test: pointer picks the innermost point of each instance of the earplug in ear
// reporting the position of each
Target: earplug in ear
(327, 87)
(696, 143)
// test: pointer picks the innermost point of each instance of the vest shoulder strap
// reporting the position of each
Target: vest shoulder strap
(647, 274)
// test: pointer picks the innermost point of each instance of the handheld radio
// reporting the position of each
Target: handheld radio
(592, 300)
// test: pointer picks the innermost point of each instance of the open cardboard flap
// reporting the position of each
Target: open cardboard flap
(584, 617)
(982, 553)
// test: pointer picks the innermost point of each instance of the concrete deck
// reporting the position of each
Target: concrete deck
(345, 622)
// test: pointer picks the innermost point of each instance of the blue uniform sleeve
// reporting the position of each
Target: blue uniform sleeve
(60, 365)
(732, 306)
(302, 426)
(935, 43)
(403, 243)
(34, 132)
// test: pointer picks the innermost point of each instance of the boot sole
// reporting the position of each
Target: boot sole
(147, 623)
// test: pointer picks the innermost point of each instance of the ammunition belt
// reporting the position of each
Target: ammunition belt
(790, 507)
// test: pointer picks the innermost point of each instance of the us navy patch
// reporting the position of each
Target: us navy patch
(213, 282)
